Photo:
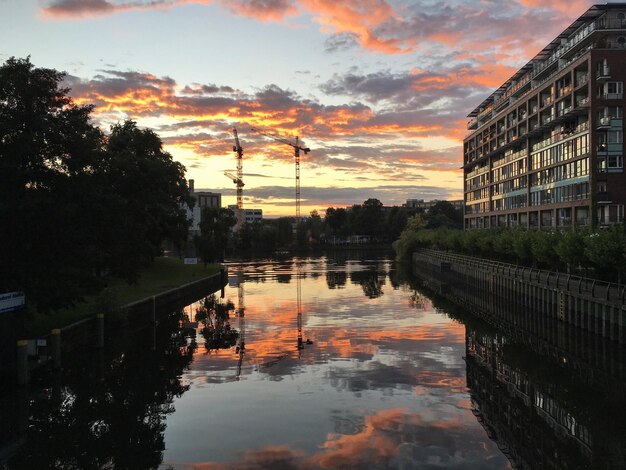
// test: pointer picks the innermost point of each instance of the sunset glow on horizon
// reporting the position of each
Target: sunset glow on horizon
(378, 89)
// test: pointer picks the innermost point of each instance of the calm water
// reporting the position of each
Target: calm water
(334, 363)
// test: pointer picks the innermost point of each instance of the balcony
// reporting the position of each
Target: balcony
(582, 80)
(546, 120)
(604, 122)
(564, 111)
(582, 102)
(603, 73)
(565, 90)
(613, 96)
(472, 124)
(604, 197)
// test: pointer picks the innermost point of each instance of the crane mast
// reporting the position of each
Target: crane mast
(238, 179)
(297, 148)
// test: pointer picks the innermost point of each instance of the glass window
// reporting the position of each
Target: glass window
(614, 161)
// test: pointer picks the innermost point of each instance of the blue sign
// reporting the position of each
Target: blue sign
(12, 301)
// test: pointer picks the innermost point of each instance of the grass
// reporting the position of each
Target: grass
(164, 274)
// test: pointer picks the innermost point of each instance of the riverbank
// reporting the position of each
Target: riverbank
(163, 275)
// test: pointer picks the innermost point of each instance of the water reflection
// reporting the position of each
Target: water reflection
(106, 413)
(319, 363)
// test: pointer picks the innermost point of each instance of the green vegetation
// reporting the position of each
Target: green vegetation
(603, 250)
(215, 233)
(78, 207)
(162, 275)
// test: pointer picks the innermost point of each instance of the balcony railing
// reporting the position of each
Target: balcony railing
(603, 72)
(582, 80)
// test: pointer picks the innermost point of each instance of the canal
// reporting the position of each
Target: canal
(338, 361)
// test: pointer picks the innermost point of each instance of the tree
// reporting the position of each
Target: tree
(77, 205)
(444, 214)
(335, 219)
(148, 190)
(215, 231)
(49, 152)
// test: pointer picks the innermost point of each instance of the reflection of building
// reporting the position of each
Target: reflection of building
(427, 205)
(250, 215)
(532, 429)
(546, 148)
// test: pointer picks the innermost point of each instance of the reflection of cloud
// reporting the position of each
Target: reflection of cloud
(391, 438)
(396, 438)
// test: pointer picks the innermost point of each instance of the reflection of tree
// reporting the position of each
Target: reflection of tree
(336, 279)
(216, 330)
(110, 416)
(417, 301)
(372, 282)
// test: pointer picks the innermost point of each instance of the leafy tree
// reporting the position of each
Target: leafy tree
(370, 219)
(571, 248)
(215, 232)
(605, 250)
(148, 189)
(409, 240)
(335, 219)
(49, 151)
(79, 205)
(396, 222)
(444, 214)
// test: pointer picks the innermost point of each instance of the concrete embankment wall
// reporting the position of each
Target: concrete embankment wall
(142, 312)
(101, 329)
(518, 295)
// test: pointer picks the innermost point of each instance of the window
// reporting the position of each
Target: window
(615, 161)
(621, 40)
(615, 137)
(602, 186)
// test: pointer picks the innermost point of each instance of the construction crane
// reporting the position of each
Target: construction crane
(238, 179)
(296, 146)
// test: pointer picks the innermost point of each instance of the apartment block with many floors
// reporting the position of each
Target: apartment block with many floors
(546, 149)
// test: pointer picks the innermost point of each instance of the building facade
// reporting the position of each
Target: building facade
(202, 199)
(250, 216)
(546, 149)
(427, 205)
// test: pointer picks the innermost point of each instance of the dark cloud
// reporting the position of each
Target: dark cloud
(338, 196)
(341, 42)
(79, 7)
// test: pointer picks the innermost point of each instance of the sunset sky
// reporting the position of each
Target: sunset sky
(378, 89)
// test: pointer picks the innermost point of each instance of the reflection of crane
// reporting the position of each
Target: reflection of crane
(241, 342)
(296, 146)
(299, 310)
(238, 179)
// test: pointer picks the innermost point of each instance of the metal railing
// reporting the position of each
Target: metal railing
(594, 288)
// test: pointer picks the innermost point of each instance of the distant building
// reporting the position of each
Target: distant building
(202, 199)
(546, 149)
(427, 205)
(250, 215)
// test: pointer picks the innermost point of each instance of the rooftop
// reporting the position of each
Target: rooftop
(591, 14)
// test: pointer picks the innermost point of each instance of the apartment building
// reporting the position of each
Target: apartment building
(546, 149)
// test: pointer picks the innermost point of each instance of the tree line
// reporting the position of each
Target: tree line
(76, 204)
(601, 253)
(382, 226)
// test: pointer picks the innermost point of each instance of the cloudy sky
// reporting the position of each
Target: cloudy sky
(378, 89)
